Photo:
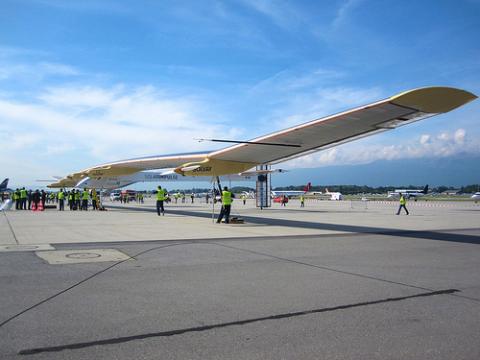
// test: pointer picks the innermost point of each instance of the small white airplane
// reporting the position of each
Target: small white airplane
(334, 195)
(409, 194)
(476, 196)
(299, 140)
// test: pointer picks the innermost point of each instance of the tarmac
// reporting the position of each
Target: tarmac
(333, 280)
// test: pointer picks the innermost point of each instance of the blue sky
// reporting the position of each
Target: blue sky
(86, 82)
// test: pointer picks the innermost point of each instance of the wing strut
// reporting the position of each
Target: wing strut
(249, 142)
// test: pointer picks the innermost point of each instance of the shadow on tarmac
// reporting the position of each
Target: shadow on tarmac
(418, 234)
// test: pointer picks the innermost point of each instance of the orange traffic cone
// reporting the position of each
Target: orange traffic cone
(40, 206)
(34, 208)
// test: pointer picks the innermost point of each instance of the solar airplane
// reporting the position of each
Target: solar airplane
(320, 134)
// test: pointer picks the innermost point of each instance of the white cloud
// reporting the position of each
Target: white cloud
(35, 71)
(107, 123)
(427, 145)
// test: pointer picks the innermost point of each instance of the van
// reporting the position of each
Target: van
(115, 196)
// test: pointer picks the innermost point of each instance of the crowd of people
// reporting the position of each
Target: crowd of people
(38, 199)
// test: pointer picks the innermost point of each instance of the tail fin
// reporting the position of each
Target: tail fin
(425, 189)
(4, 184)
(307, 187)
(326, 191)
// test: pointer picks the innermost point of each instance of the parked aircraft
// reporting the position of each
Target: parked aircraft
(409, 194)
(3, 185)
(299, 140)
(334, 195)
(276, 193)
(476, 196)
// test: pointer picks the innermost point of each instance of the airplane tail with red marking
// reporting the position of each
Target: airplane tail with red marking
(307, 187)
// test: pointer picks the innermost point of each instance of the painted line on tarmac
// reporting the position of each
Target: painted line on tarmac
(11, 228)
(124, 339)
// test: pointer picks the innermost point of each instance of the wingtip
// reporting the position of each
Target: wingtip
(434, 100)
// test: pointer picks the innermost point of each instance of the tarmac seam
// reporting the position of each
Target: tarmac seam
(124, 339)
(11, 228)
(340, 271)
(81, 282)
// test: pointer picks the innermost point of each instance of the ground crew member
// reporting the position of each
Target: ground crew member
(192, 196)
(36, 198)
(16, 198)
(76, 200)
(23, 199)
(85, 199)
(403, 202)
(29, 199)
(161, 197)
(61, 198)
(70, 199)
(43, 195)
(244, 198)
(227, 198)
(302, 201)
(94, 199)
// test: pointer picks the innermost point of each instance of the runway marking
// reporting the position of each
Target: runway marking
(124, 339)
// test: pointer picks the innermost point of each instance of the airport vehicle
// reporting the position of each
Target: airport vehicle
(409, 194)
(115, 196)
(476, 196)
(280, 199)
(129, 195)
(237, 159)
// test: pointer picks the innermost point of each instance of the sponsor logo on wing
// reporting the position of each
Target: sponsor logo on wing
(203, 169)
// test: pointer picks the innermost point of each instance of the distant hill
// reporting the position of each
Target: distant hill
(450, 171)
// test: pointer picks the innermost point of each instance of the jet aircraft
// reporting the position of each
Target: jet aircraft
(409, 193)
(3, 185)
(320, 134)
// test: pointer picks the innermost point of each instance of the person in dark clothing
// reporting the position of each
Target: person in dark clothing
(43, 198)
(29, 199)
(36, 198)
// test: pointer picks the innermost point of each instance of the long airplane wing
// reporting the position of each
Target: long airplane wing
(333, 130)
(316, 135)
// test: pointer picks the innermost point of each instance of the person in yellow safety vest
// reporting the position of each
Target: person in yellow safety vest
(227, 199)
(244, 198)
(94, 199)
(403, 203)
(302, 201)
(23, 199)
(76, 199)
(85, 199)
(70, 199)
(161, 197)
(16, 198)
(61, 198)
